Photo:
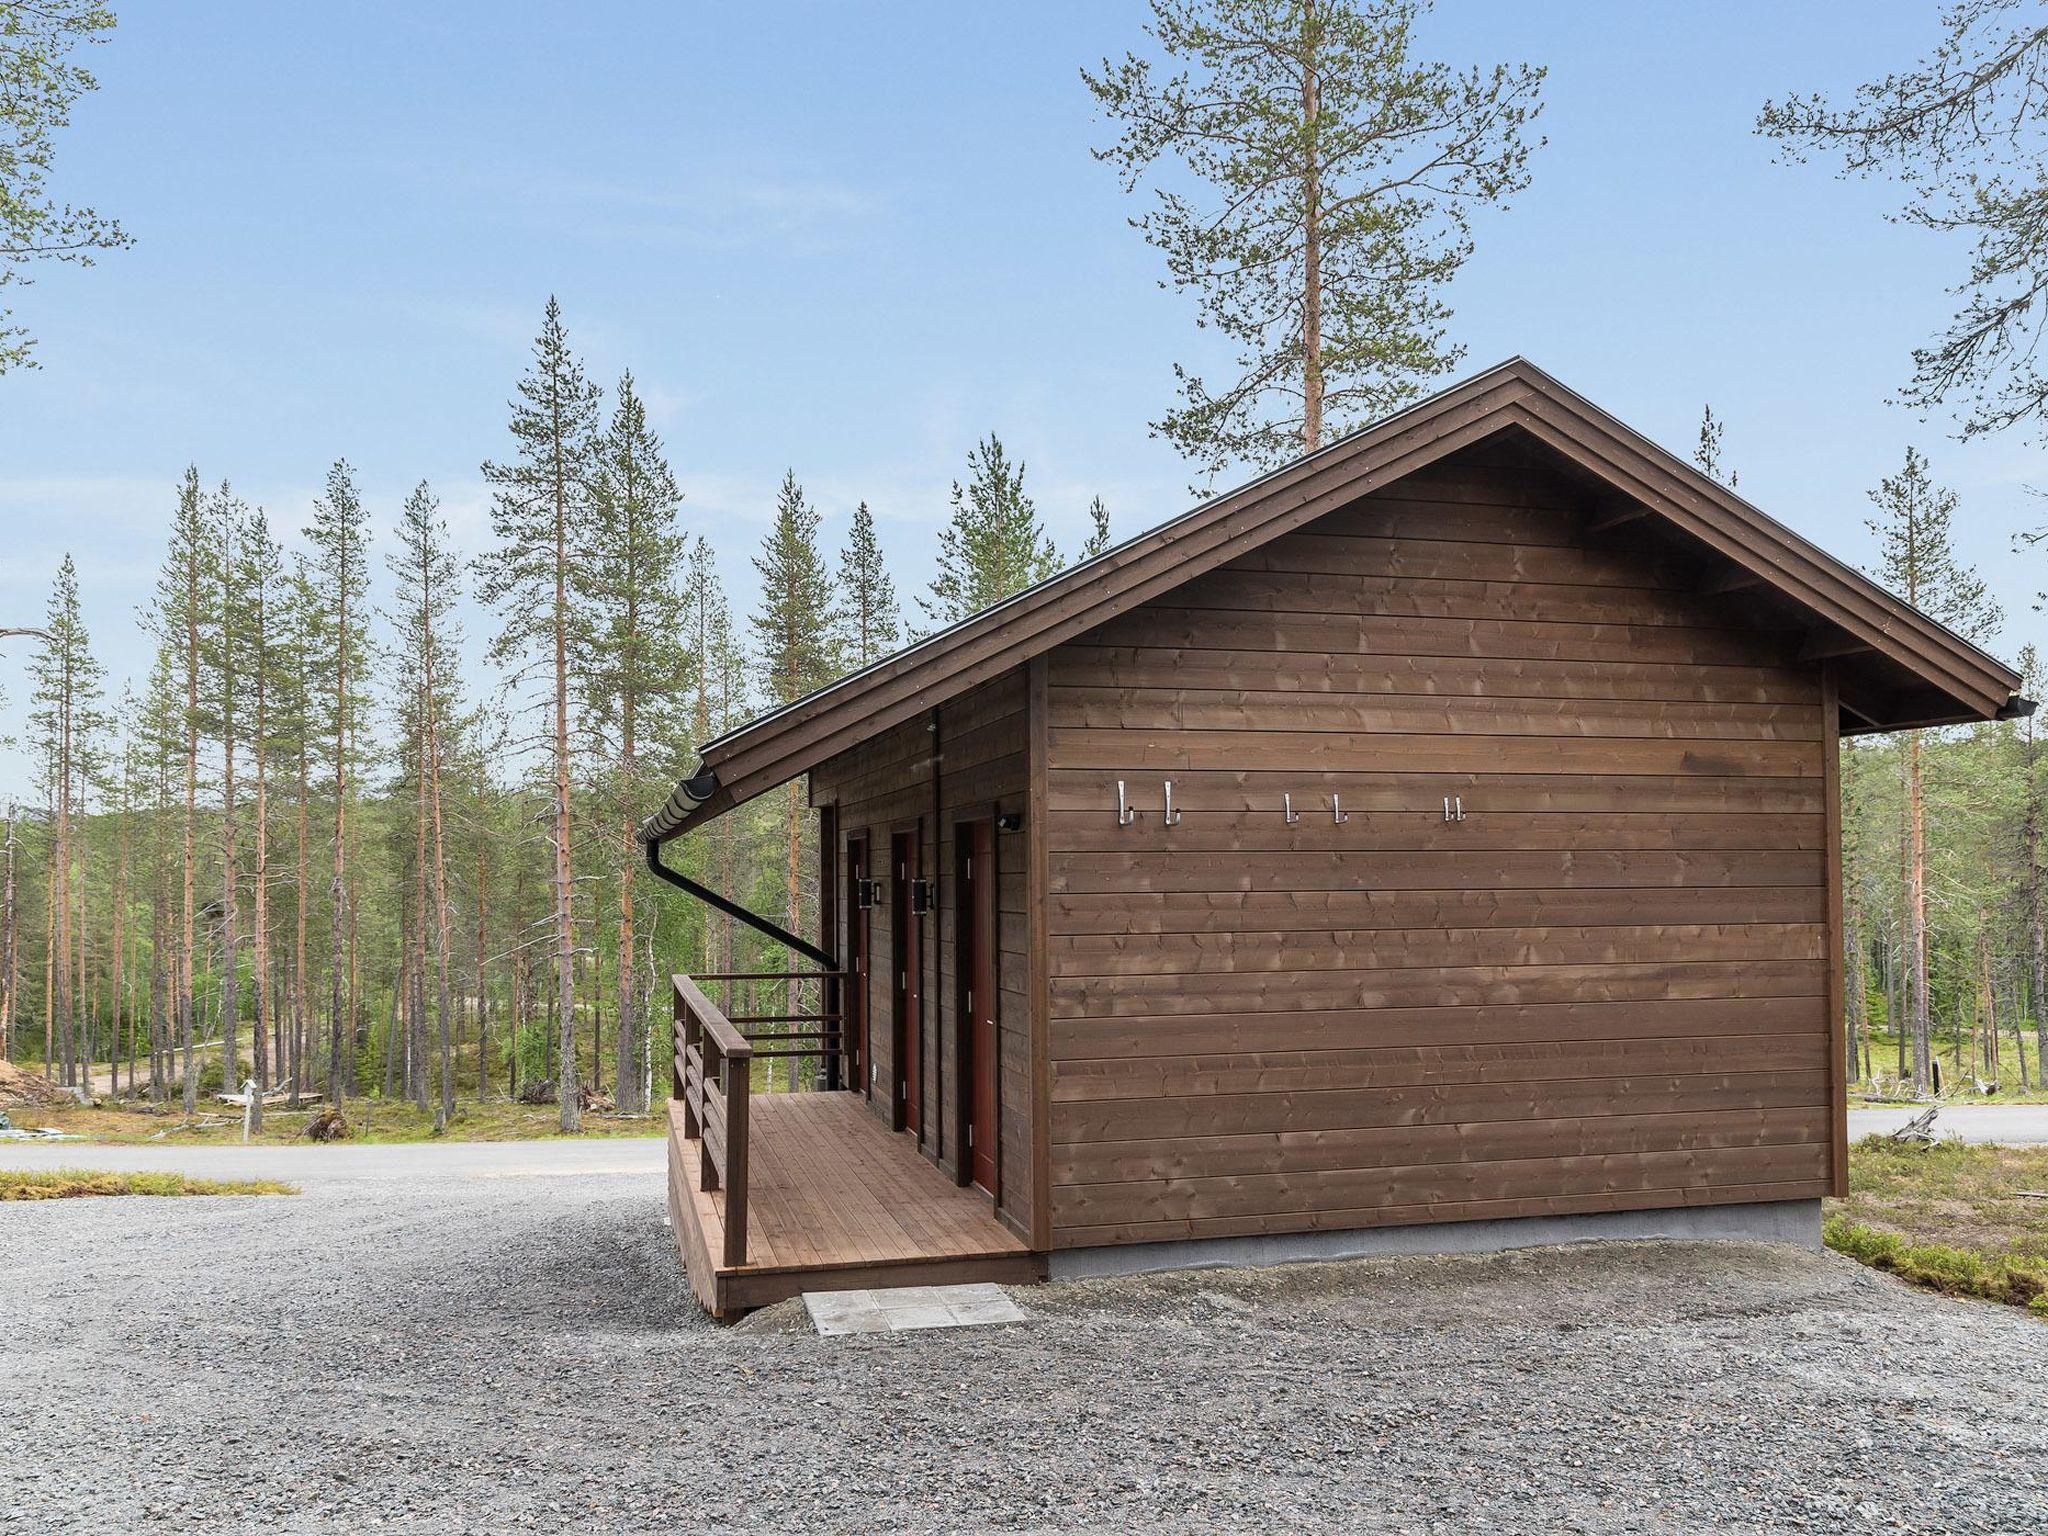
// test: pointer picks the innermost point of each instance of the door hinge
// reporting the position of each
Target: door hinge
(970, 1138)
(970, 1001)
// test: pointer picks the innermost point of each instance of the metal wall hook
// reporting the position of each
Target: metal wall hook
(1172, 816)
(1337, 812)
(1125, 813)
(1454, 807)
(1287, 811)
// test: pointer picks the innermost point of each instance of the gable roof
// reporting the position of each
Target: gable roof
(1911, 671)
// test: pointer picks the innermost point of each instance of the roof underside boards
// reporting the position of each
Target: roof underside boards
(1896, 667)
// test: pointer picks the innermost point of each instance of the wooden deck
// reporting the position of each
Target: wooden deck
(836, 1201)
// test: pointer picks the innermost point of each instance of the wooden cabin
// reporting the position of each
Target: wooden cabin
(1439, 832)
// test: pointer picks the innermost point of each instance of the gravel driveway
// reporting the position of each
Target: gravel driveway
(508, 1345)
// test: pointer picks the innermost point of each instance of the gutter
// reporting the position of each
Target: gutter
(690, 793)
(732, 909)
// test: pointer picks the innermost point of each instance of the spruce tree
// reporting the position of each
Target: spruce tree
(873, 625)
(536, 577)
(636, 672)
(995, 544)
(796, 637)
(720, 700)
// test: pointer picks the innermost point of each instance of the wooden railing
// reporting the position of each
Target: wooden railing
(714, 1079)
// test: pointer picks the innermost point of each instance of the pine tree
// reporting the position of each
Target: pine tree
(425, 573)
(1708, 454)
(796, 631)
(637, 668)
(873, 623)
(183, 616)
(339, 587)
(535, 578)
(39, 82)
(66, 717)
(222, 657)
(297, 724)
(1917, 560)
(995, 544)
(260, 576)
(1098, 535)
(1341, 174)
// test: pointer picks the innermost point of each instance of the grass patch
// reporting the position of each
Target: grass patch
(1950, 1217)
(71, 1183)
(370, 1120)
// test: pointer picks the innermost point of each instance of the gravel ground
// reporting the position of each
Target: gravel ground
(510, 1352)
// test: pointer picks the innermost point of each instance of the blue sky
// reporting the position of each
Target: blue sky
(851, 238)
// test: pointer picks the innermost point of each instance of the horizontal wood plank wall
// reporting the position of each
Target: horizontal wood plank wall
(899, 780)
(1604, 989)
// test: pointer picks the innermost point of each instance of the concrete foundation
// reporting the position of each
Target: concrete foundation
(1779, 1221)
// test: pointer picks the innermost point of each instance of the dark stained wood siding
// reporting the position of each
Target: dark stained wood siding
(895, 781)
(1605, 988)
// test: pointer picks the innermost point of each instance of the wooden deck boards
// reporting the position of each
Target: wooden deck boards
(836, 1201)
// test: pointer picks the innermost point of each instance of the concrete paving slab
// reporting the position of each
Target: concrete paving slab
(910, 1308)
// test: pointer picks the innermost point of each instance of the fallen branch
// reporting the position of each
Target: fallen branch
(1918, 1129)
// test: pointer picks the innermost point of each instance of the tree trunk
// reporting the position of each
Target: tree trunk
(1916, 919)
(300, 998)
(2037, 933)
(1312, 238)
(7, 932)
(259, 961)
(230, 895)
(187, 1000)
(1856, 1025)
(565, 929)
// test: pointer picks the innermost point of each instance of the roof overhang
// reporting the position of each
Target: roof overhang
(1901, 669)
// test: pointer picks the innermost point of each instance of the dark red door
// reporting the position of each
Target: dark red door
(979, 945)
(859, 1077)
(906, 926)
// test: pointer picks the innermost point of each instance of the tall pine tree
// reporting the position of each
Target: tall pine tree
(67, 719)
(1918, 561)
(536, 576)
(338, 586)
(425, 574)
(636, 672)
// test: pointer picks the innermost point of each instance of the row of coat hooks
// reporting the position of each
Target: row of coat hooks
(1126, 813)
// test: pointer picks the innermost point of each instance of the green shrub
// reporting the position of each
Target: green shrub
(1952, 1271)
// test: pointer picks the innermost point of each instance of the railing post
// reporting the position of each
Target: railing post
(713, 1060)
(829, 1005)
(737, 1075)
(678, 1078)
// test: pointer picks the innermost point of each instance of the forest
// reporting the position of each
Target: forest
(299, 852)
(318, 847)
